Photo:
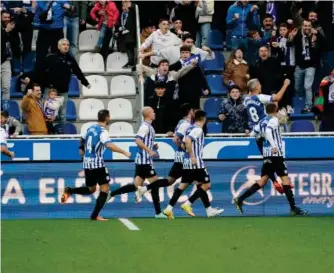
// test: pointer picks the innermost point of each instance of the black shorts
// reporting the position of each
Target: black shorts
(176, 170)
(145, 171)
(96, 176)
(199, 175)
(274, 165)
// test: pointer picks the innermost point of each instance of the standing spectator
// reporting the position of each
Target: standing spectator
(267, 69)
(307, 58)
(6, 54)
(146, 31)
(107, 15)
(49, 19)
(11, 125)
(21, 12)
(177, 27)
(204, 22)
(51, 108)
(237, 22)
(233, 113)
(32, 107)
(75, 17)
(236, 71)
(163, 106)
(160, 39)
(126, 41)
(57, 71)
(287, 65)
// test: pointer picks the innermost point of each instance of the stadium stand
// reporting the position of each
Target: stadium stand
(88, 39)
(211, 106)
(302, 126)
(89, 108)
(12, 107)
(99, 87)
(120, 109)
(215, 127)
(121, 86)
(91, 63)
(118, 128)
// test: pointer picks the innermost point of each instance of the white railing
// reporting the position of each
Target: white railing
(300, 134)
(140, 83)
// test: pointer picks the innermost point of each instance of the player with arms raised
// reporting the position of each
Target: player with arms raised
(255, 105)
(194, 170)
(273, 161)
(93, 144)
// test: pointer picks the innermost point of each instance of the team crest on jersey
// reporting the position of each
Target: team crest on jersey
(152, 171)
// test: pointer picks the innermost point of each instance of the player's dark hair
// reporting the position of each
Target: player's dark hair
(5, 114)
(185, 49)
(185, 109)
(199, 115)
(271, 108)
(102, 115)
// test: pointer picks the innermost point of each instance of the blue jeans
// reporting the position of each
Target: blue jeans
(101, 36)
(203, 34)
(303, 81)
(237, 42)
(71, 31)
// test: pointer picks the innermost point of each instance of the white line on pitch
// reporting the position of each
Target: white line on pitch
(128, 224)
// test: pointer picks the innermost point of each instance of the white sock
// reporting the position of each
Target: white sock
(169, 207)
(187, 203)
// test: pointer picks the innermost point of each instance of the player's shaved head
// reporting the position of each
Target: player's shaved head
(146, 111)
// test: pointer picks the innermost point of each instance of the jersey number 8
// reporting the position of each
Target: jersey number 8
(253, 114)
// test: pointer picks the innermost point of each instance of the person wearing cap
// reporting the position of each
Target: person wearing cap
(233, 113)
(164, 108)
(147, 30)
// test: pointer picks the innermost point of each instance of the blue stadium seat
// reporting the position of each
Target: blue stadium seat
(216, 64)
(215, 127)
(298, 105)
(71, 112)
(13, 88)
(25, 130)
(302, 126)
(211, 107)
(74, 90)
(215, 39)
(69, 129)
(216, 84)
(16, 65)
(29, 61)
(12, 107)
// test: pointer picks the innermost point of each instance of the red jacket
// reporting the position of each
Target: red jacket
(110, 8)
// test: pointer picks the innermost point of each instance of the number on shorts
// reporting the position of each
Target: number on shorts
(89, 144)
(253, 114)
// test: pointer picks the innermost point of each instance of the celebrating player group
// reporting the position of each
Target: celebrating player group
(188, 163)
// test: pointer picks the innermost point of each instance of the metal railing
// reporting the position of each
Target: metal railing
(140, 84)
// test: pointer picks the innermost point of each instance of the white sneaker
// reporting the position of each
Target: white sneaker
(139, 193)
(161, 216)
(214, 212)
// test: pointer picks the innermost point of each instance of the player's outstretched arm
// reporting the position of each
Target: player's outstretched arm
(112, 147)
(279, 95)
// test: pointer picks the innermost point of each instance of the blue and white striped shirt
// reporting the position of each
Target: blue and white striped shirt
(195, 133)
(269, 128)
(96, 138)
(255, 106)
(147, 134)
(180, 131)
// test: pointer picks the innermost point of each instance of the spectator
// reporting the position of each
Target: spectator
(233, 113)
(204, 22)
(75, 17)
(21, 12)
(126, 40)
(163, 107)
(267, 69)
(57, 71)
(307, 58)
(107, 15)
(268, 29)
(32, 107)
(49, 19)
(236, 71)
(254, 42)
(6, 54)
(11, 125)
(177, 27)
(237, 22)
(146, 31)
(192, 85)
(160, 39)
(287, 65)
(51, 108)
(280, 10)
(325, 103)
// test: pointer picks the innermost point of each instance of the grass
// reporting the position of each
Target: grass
(239, 244)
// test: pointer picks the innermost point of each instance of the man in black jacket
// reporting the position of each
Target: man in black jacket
(164, 108)
(56, 73)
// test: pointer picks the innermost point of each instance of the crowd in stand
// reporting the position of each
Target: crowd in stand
(270, 41)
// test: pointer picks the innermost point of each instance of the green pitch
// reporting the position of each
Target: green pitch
(224, 245)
